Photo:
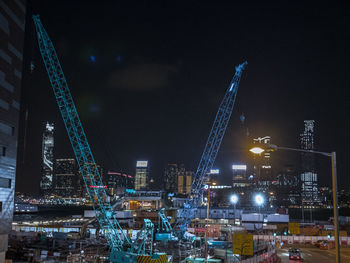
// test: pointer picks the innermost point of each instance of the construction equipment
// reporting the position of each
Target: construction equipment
(164, 230)
(209, 155)
(122, 248)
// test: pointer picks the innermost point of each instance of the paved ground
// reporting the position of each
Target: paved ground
(313, 254)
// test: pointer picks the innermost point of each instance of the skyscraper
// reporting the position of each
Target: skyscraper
(141, 175)
(171, 174)
(12, 25)
(262, 165)
(65, 177)
(184, 181)
(47, 157)
(309, 184)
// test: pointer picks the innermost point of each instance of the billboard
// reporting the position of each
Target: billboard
(141, 163)
(239, 167)
(214, 171)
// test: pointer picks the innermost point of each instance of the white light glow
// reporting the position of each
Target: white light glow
(141, 163)
(259, 199)
(214, 171)
(257, 150)
(239, 167)
(234, 199)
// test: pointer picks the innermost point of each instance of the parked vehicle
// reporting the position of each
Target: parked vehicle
(294, 254)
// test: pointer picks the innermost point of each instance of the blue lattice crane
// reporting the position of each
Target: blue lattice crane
(122, 248)
(209, 155)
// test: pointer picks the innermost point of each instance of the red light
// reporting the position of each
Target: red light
(114, 173)
(129, 176)
(124, 175)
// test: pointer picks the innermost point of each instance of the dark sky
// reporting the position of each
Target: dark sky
(161, 70)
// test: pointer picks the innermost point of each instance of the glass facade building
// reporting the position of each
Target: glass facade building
(12, 26)
(65, 177)
(141, 175)
(308, 178)
(46, 182)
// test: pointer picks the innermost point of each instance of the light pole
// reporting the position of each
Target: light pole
(272, 147)
(234, 201)
(208, 209)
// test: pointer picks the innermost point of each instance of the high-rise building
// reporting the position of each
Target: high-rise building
(189, 178)
(262, 165)
(287, 190)
(65, 177)
(239, 175)
(12, 25)
(118, 182)
(171, 175)
(184, 181)
(46, 182)
(309, 184)
(81, 187)
(141, 175)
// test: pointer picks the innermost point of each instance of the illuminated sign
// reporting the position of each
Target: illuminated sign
(266, 166)
(141, 163)
(214, 171)
(239, 167)
(130, 191)
(98, 186)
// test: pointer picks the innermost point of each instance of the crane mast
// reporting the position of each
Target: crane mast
(90, 173)
(209, 155)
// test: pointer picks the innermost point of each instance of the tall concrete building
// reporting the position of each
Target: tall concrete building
(65, 182)
(171, 174)
(46, 182)
(184, 181)
(141, 175)
(12, 25)
(309, 182)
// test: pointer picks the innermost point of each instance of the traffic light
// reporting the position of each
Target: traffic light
(285, 233)
(329, 236)
(274, 234)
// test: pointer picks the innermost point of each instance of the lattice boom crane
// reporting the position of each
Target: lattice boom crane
(210, 152)
(122, 248)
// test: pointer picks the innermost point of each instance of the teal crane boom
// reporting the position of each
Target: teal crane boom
(119, 243)
(209, 154)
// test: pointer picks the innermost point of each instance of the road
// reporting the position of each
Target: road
(314, 254)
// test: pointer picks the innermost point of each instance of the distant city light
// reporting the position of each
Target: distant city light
(259, 199)
(214, 171)
(239, 167)
(119, 58)
(234, 199)
(257, 150)
(113, 173)
(98, 186)
(141, 163)
(92, 58)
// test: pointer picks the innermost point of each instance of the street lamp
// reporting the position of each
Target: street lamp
(234, 201)
(259, 200)
(257, 150)
(332, 155)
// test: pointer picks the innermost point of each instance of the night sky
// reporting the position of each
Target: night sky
(147, 78)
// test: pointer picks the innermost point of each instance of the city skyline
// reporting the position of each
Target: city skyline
(127, 121)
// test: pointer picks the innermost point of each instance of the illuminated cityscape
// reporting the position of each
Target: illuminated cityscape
(48, 143)
(174, 133)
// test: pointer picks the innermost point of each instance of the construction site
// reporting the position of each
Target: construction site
(111, 231)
